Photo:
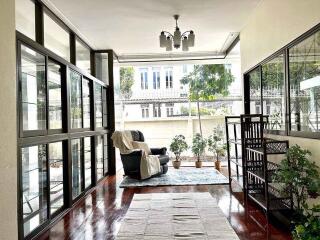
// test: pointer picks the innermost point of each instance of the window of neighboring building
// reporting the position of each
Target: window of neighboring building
(304, 76)
(56, 38)
(25, 23)
(83, 56)
(145, 111)
(273, 92)
(156, 79)
(157, 110)
(169, 78)
(144, 78)
(169, 109)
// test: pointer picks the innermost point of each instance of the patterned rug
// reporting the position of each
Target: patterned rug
(165, 216)
(182, 176)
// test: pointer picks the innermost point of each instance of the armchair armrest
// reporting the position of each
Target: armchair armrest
(131, 163)
(158, 151)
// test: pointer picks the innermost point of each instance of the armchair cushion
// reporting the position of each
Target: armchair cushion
(142, 146)
(158, 151)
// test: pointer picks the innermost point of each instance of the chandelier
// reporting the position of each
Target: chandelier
(167, 40)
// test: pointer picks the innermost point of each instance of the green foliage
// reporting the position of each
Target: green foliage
(216, 144)
(299, 175)
(309, 229)
(208, 81)
(126, 81)
(198, 145)
(178, 145)
(205, 111)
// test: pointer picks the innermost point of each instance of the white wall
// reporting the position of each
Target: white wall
(8, 136)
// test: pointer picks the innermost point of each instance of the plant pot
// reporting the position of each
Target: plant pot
(198, 164)
(217, 165)
(176, 164)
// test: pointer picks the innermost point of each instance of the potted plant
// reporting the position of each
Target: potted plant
(198, 146)
(300, 177)
(177, 146)
(217, 146)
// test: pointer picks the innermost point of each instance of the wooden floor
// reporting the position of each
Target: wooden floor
(99, 214)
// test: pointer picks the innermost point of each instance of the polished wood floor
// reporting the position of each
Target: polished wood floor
(99, 214)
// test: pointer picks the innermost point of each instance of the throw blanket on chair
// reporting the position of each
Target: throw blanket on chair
(149, 164)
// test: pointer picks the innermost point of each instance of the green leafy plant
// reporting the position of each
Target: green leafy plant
(310, 228)
(299, 176)
(198, 145)
(178, 145)
(216, 144)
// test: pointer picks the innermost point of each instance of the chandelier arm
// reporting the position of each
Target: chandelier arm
(185, 33)
(168, 33)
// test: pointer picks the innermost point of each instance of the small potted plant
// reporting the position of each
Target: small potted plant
(198, 146)
(217, 146)
(177, 146)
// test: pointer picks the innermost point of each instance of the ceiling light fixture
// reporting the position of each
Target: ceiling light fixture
(167, 39)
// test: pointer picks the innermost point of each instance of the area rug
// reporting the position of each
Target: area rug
(178, 177)
(163, 216)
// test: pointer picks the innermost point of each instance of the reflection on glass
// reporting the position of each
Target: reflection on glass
(86, 103)
(34, 187)
(76, 167)
(98, 104)
(304, 75)
(273, 92)
(56, 38)
(25, 23)
(87, 161)
(104, 105)
(76, 102)
(56, 176)
(83, 56)
(101, 62)
(99, 157)
(105, 154)
(54, 86)
(255, 91)
(33, 89)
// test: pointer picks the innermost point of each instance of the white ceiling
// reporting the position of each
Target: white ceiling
(132, 27)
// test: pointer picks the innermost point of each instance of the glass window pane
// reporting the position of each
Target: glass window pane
(76, 167)
(273, 93)
(105, 154)
(98, 104)
(255, 91)
(105, 107)
(99, 157)
(33, 89)
(87, 161)
(83, 57)
(56, 38)
(54, 85)
(25, 23)
(75, 100)
(56, 176)
(86, 103)
(304, 75)
(101, 62)
(34, 187)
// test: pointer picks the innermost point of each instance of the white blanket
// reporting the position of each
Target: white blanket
(149, 164)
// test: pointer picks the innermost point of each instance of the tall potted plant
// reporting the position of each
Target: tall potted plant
(299, 175)
(177, 146)
(217, 146)
(198, 146)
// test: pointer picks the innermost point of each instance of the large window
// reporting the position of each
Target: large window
(87, 162)
(255, 91)
(33, 90)
(25, 23)
(56, 38)
(54, 91)
(83, 56)
(99, 157)
(144, 78)
(75, 100)
(98, 105)
(101, 64)
(76, 167)
(34, 187)
(86, 96)
(273, 92)
(304, 75)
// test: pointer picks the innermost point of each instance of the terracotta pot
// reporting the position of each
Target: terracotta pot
(198, 164)
(176, 164)
(217, 165)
